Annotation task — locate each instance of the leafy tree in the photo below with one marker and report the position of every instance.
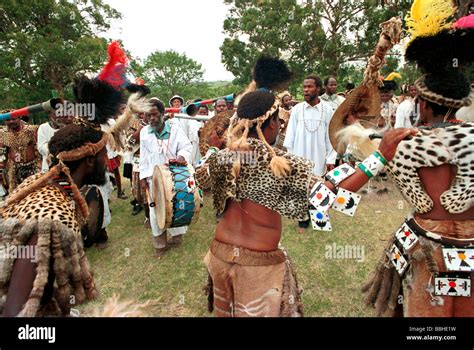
(43, 44)
(169, 73)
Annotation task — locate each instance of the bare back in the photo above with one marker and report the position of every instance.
(249, 225)
(436, 181)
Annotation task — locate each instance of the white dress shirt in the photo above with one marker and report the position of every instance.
(307, 134)
(154, 151)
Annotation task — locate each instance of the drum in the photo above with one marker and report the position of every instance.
(92, 230)
(176, 196)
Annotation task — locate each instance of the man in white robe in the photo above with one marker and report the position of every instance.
(161, 142)
(307, 134)
(407, 115)
(191, 129)
(46, 132)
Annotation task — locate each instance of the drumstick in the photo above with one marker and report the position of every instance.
(150, 202)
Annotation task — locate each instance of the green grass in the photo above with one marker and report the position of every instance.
(174, 283)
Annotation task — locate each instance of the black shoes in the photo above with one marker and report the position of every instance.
(137, 208)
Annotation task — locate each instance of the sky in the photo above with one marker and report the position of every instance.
(193, 27)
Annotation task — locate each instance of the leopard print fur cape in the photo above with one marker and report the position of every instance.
(256, 182)
(430, 148)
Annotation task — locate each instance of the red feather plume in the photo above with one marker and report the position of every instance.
(115, 69)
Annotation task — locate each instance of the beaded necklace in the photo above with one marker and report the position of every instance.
(319, 124)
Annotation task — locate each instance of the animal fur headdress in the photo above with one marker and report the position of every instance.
(270, 75)
(442, 47)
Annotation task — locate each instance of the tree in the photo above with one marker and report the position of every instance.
(276, 27)
(327, 37)
(43, 44)
(168, 73)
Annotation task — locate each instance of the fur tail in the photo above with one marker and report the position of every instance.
(115, 308)
(358, 137)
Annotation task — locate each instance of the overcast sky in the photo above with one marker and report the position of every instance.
(188, 26)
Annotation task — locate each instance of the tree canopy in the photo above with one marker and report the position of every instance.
(44, 43)
(326, 37)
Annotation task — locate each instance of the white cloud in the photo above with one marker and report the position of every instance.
(186, 26)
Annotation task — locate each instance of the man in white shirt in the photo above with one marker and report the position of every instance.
(159, 142)
(406, 113)
(307, 133)
(45, 133)
(330, 96)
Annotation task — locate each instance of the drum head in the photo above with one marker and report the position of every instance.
(163, 196)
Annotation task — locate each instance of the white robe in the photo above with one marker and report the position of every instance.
(191, 129)
(154, 151)
(45, 133)
(315, 145)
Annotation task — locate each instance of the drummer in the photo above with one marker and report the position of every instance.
(160, 142)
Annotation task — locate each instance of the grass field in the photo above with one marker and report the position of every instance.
(174, 284)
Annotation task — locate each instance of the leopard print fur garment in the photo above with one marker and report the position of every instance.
(18, 142)
(430, 148)
(256, 182)
(48, 202)
(54, 217)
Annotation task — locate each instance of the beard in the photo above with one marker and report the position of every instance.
(98, 177)
(159, 124)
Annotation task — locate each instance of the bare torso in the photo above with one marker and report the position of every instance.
(249, 225)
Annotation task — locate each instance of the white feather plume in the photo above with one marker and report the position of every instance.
(135, 104)
(358, 137)
(138, 104)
